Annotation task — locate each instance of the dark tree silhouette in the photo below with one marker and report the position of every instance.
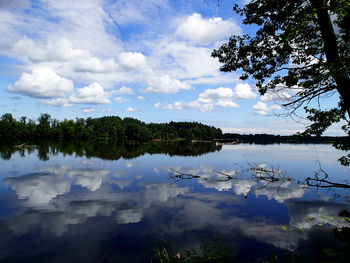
(301, 47)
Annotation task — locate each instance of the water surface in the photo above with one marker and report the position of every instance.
(110, 203)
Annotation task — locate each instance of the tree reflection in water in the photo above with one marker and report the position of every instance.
(109, 150)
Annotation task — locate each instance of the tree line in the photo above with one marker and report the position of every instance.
(271, 138)
(108, 127)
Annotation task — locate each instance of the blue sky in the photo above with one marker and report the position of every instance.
(144, 59)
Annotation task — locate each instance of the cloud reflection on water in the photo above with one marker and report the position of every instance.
(164, 206)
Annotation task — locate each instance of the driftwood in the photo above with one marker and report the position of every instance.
(320, 180)
(322, 183)
(269, 176)
(228, 177)
(177, 175)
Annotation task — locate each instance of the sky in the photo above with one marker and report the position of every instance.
(149, 60)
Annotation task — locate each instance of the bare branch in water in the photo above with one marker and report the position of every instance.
(177, 175)
(320, 180)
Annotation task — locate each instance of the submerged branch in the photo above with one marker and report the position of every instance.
(322, 183)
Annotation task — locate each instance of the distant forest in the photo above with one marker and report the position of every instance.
(270, 138)
(130, 130)
(109, 127)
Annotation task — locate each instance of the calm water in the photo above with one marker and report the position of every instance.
(107, 203)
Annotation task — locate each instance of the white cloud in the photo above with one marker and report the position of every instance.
(221, 97)
(55, 50)
(261, 108)
(42, 83)
(207, 107)
(62, 52)
(94, 65)
(214, 80)
(88, 110)
(84, 25)
(220, 93)
(276, 96)
(131, 109)
(132, 60)
(165, 84)
(244, 91)
(92, 94)
(179, 105)
(140, 97)
(121, 99)
(126, 12)
(124, 91)
(58, 102)
(184, 60)
(207, 100)
(226, 103)
(205, 31)
(280, 93)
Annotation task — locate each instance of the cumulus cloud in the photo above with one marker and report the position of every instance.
(131, 109)
(276, 96)
(205, 31)
(124, 91)
(92, 94)
(62, 52)
(42, 83)
(220, 93)
(121, 99)
(94, 65)
(261, 108)
(58, 102)
(132, 60)
(244, 91)
(207, 101)
(165, 84)
(187, 61)
(88, 110)
(55, 50)
(226, 103)
(179, 105)
(140, 97)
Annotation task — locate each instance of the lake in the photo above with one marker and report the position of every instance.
(101, 202)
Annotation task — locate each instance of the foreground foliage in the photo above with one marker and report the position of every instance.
(299, 54)
(212, 252)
